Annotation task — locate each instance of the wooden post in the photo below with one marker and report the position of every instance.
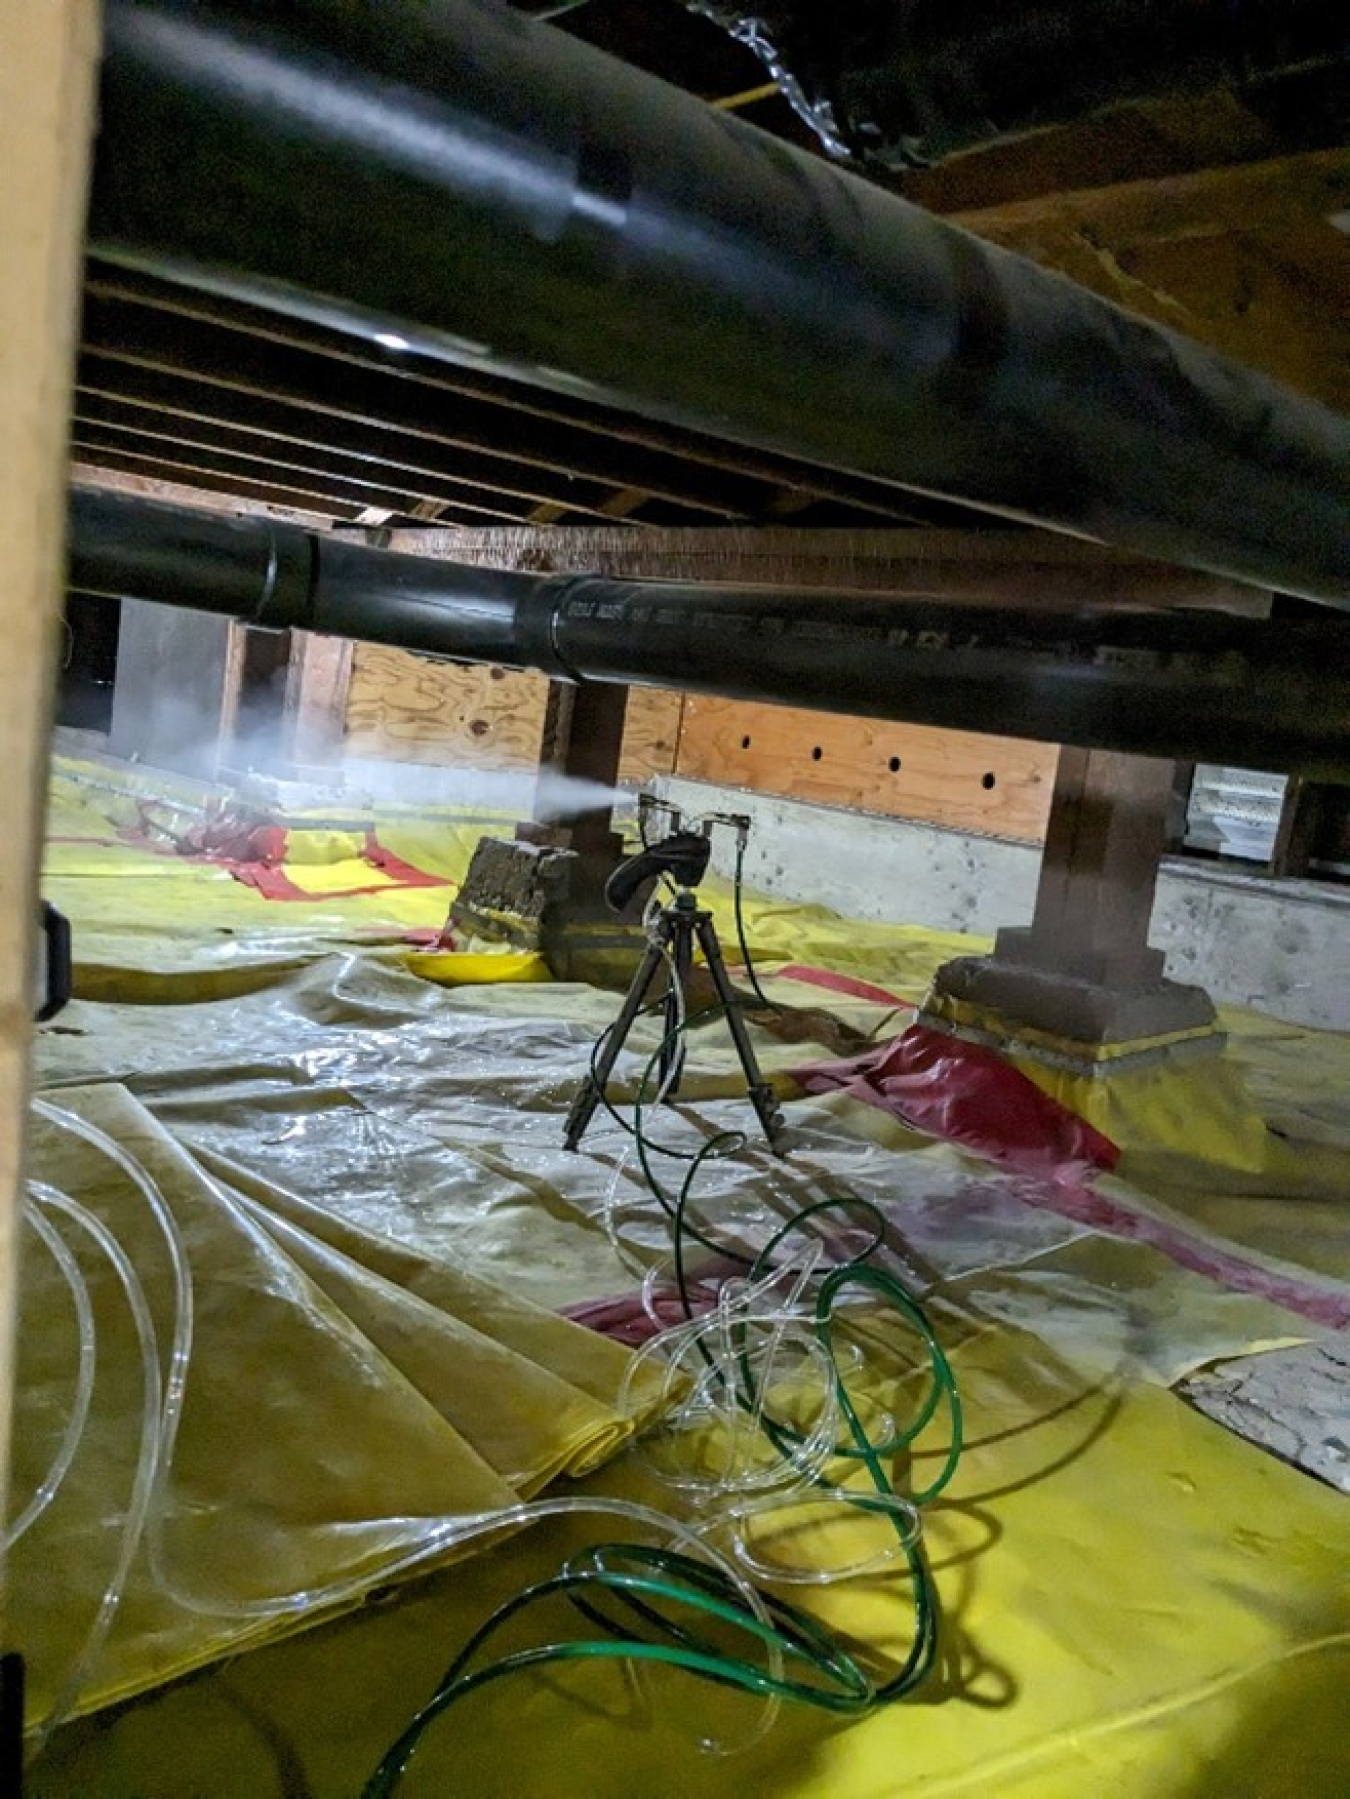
(46, 113)
(1083, 971)
(315, 701)
(1299, 828)
(1106, 836)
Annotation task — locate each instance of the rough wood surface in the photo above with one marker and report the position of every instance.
(315, 703)
(966, 781)
(46, 111)
(1105, 840)
(1248, 196)
(178, 493)
(1025, 568)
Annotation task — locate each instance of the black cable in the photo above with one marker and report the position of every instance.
(750, 974)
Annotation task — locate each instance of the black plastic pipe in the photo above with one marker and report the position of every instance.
(1202, 686)
(498, 193)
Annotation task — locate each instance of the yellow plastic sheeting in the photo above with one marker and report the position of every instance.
(900, 958)
(462, 968)
(1135, 1606)
(343, 1406)
(1198, 1151)
(155, 927)
(540, 1343)
(151, 925)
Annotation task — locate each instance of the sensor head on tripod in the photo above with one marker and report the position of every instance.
(683, 856)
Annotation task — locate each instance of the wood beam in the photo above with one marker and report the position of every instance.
(239, 499)
(1201, 203)
(1031, 568)
(100, 426)
(46, 120)
(175, 493)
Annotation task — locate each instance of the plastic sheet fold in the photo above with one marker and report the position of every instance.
(334, 1422)
(1136, 1605)
(364, 1157)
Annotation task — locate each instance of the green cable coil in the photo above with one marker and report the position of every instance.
(659, 1606)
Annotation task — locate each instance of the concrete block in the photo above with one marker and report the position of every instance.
(1084, 1014)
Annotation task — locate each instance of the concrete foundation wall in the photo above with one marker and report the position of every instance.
(1283, 946)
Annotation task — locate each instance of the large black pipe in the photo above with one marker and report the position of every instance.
(499, 193)
(1202, 686)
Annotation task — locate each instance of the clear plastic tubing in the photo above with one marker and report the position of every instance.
(50, 1484)
(147, 1463)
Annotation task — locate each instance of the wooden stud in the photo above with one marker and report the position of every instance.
(46, 118)
(318, 680)
(583, 741)
(1296, 835)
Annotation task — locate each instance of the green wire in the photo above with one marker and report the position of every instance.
(637, 1579)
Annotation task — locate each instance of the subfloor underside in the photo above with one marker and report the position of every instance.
(359, 1138)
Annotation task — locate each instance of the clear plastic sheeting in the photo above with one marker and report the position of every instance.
(336, 1413)
(365, 1169)
(433, 1117)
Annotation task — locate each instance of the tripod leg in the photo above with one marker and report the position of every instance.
(762, 1096)
(591, 1091)
(680, 939)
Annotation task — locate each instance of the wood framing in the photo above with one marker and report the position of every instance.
(177, 687)
(405, 707)
(1270, 195)
(966, 781)
(46, 112)
(412, 708)
(1105, 841)
(1023, 568)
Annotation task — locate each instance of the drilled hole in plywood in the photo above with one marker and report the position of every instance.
(988, 781)
(745, 743)
(894, 765)
(817, 753)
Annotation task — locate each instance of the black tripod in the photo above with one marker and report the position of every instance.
(672, 939)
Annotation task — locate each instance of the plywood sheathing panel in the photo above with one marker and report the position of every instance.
(410, 708)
